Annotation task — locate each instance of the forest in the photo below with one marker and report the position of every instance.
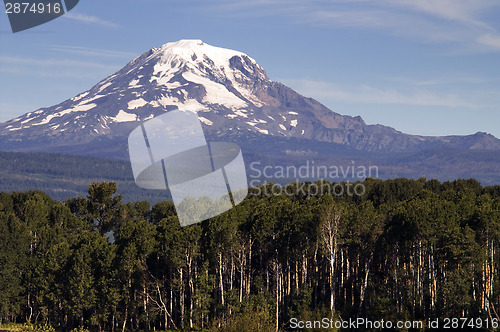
(63, 176)
(403, 250)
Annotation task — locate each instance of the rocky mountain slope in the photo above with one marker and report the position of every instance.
(232, 95)
(237, 102)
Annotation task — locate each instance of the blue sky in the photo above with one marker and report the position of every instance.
(429, 67)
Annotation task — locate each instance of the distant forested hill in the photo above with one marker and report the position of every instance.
(64, 176)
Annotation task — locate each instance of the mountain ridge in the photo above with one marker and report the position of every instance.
(234, 99)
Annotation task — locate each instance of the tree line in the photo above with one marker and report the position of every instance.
(405, 249)
(64, 176)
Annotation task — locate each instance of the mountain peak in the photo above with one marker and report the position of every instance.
(197, 55)
(231, 93)
(185, 42)
(196, 46)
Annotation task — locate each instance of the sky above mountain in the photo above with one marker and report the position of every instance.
(423, 67)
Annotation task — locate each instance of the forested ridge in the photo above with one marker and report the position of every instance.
(404, 250)
(64, 176)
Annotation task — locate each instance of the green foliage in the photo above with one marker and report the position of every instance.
(37, 328)
(405, 250)
(250, 319)
(80, 329)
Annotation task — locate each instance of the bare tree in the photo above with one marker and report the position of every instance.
(329, 240)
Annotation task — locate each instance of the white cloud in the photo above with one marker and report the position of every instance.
(368, 94)
(87, 51)
(462, 22)
(490, 40)
(53, 67)
(51, 62)
(90, 19)
(464, 11)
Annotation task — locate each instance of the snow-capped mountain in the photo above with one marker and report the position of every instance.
(232, 94)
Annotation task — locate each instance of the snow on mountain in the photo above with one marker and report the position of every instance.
(231, 93)
(187, 74)
(228, 87)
